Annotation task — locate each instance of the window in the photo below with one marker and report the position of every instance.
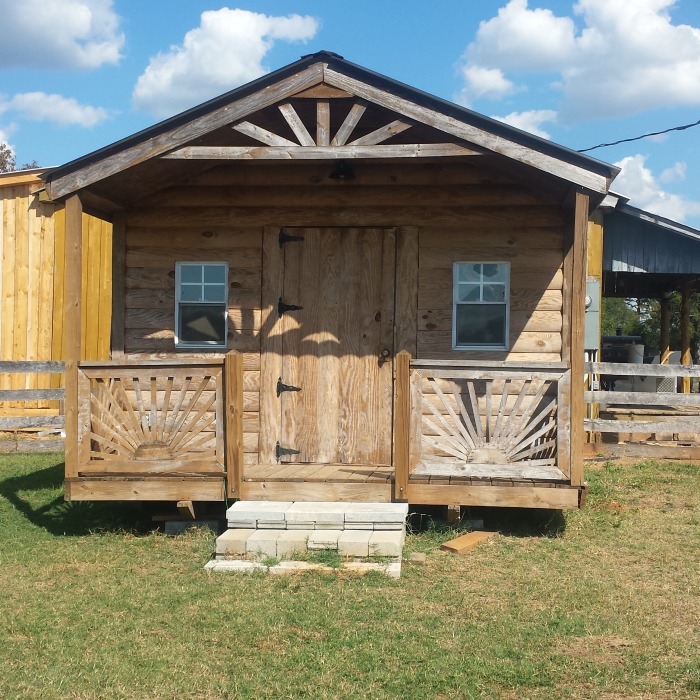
(201, 309)
(480, 305)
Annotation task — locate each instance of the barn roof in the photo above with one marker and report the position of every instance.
(445, 130)
(644, 254)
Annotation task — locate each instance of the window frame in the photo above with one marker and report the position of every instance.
(506, 303)
(200, 344)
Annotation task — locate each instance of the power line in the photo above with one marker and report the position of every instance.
(643, 136)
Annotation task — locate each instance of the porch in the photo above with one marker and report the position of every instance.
(468, 433)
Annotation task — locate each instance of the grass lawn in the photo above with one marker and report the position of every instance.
(603, 603)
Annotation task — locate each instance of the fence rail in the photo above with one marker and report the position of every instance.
(26, 395)
(682, 403)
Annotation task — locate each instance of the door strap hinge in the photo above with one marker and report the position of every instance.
(284, 451)
(283, 307)
(288, 237)
(285, 387)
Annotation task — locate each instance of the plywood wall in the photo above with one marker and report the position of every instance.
(32, 248)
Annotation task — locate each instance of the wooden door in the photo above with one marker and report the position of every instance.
(326, 368)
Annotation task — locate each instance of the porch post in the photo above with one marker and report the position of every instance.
(665, 339)
(72, 327)
(118, 284)
(402, 424)
(578, 313)
(233, 388)
(685, 334)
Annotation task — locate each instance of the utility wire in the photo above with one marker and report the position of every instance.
(638, 138)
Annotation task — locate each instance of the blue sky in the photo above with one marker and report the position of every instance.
(76, 75)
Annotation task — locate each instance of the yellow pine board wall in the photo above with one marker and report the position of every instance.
(32, 253)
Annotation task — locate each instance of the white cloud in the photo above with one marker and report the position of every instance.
(225, 51)
(483, 82)
(637, 182)
(59, 34)
(676, 173)
(531, 120)
(64, 111)
(627, 57)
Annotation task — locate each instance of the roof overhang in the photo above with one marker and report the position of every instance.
(464, 130)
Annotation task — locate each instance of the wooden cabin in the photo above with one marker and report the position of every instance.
(32, 283)
(328, 285)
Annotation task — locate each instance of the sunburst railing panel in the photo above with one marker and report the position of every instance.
(487, 421)
(165, 418)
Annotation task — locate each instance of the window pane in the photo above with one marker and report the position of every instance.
(494, 273)
(214, 292)
(191, 292)
(215, 273)
(202, 324)
(494, 292)
(469, 292)
(190, 273)
(470, 272)
(481, 325)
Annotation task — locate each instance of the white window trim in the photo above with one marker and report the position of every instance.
(200, 345)
(455, 303)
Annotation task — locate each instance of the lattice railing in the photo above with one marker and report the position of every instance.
(488, 420)
(155, 417)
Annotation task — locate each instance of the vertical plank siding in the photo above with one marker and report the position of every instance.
(32, 285)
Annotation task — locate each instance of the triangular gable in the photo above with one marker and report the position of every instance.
(325, 80)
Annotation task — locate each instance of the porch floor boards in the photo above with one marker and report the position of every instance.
(349, 473)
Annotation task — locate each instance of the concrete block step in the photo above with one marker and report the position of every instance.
(319, 515)
(276, 543)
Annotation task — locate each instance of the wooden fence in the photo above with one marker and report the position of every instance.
(18, 420)
(32, 283)
(649, 412)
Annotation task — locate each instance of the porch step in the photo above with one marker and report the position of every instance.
(318, 515)
(286, 530)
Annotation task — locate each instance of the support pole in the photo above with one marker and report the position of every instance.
(665, 338)
(402, 424)
(233, 383)
(72, 327)
(685, 335)
(578, 313)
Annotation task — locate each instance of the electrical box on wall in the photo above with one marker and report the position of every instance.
(591, 336)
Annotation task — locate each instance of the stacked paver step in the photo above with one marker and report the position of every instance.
(281, 529)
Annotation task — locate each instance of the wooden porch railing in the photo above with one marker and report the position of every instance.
(150, 418)
(481, 420)
(682, 403)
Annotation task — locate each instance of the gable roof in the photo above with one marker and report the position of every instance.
(179, 137)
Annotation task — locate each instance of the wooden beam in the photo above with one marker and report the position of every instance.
(578, 312)
(686, 358)
(233, 378)
(498, 144)
(323, 123)
(642, 398)
(634, 370)
(465, 543)
(118, 284)
(665, 338)
(186, 509)
(381, 134)
(321, 152)
(262, 135)
(348, 125)
(497, 496)
(296, 125)
(72, 327)
(402, 424)
(179, 135)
